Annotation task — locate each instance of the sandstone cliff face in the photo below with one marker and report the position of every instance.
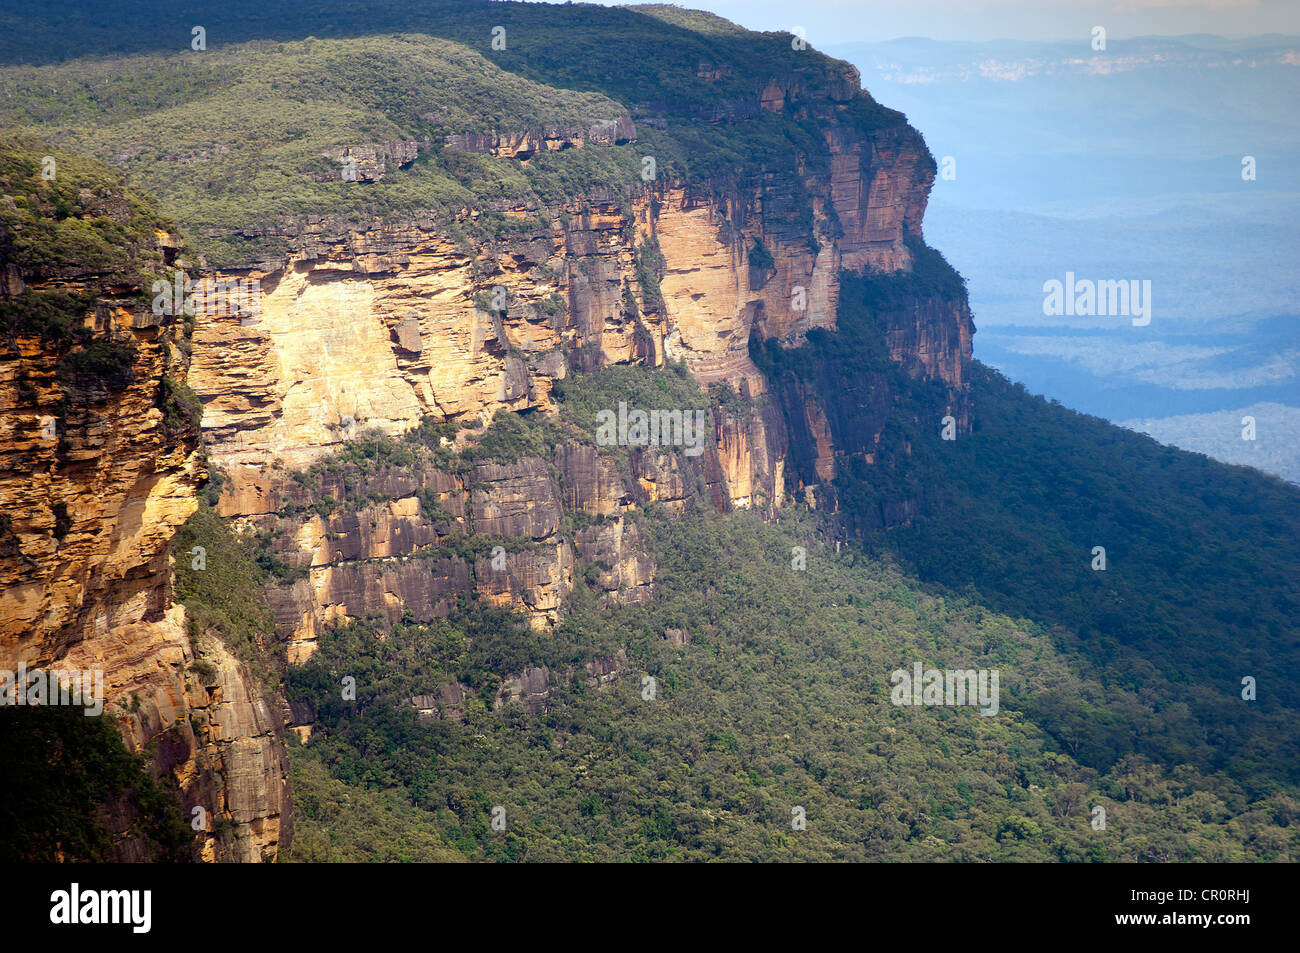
(402, 557)
(931, 338)
(379, 325)
(370, 162)
(879, 188)
(94, 504)
(93, 486)
(525, 143)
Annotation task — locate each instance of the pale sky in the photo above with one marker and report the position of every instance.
(829, 22)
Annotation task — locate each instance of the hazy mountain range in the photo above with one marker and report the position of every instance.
(1122, 164)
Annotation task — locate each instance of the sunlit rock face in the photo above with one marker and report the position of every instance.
(85, 566)
(381, 324)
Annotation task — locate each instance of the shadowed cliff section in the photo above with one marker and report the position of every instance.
(75, 794)
(856, 400)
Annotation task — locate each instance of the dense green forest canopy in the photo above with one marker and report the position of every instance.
(1201, 587)
(779, 702)
(781, 698)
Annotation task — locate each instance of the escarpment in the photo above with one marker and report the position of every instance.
(98, 470)
(443, 474)
(380, 325)
(349, 360)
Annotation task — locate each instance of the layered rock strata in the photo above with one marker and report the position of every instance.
(96, 476)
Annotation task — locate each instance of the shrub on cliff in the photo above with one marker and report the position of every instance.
(513, 436)
(66, 214)
(101, 367)
(650, 265)
(219, 581)
(581, 397)
(63, 773)
(759, 257)
(182, 409)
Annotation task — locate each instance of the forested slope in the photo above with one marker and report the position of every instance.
(772, 692)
